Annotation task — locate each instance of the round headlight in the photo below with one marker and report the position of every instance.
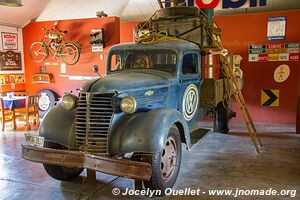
(128, 105)
(69, 101)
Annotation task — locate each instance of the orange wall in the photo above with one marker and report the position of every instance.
(127, 31)
(241, 30)
(238, 31)
(78, 31)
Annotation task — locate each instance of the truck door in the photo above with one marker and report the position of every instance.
(189, 87)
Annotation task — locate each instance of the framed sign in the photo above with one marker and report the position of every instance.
(10, 61)
(276, 28)
(282, 52)
(9, 41)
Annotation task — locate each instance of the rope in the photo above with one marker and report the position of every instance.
(151, 38)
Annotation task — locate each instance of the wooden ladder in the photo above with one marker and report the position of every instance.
(254, 135)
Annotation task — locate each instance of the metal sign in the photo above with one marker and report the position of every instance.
(10, 61)
(9, 41)
(281, 73)
(270, 97)
(190, 102)
(223, 4)
(276, 28)
(274, 52)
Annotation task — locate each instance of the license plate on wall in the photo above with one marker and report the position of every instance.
(34, 140)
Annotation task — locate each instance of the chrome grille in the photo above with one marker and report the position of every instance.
(93, 117)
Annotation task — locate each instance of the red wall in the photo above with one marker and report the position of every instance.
(239, 31)
(78, 31)
(127, 31)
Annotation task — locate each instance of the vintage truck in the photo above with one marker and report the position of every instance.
(133, 122)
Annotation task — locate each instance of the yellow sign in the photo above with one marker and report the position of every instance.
(273, 57)
(270, 97)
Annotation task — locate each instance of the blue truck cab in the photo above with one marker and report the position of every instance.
(133, 121)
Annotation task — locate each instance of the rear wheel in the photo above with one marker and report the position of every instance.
(38, 51)
(70, 53)
(166, 163)
(222, 119)
(58, 172)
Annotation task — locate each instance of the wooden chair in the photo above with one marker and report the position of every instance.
(6, 115)
(31, 111)
(20, 94)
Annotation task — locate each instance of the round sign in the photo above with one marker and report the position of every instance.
(44, 102)
(190, 102)
(281, 73)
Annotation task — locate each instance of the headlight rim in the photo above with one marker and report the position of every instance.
(134, 107)
(74, 101)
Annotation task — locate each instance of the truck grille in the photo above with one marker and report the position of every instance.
(93, 117)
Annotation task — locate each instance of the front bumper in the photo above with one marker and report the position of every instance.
(76, 159)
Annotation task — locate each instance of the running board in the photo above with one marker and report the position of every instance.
(197, 136)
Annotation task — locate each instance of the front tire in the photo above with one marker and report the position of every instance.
(58, 172)
(38, 51)
(166, 163)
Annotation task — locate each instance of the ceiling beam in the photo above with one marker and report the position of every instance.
(10, 25)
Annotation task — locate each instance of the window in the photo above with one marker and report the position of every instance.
(116, 62)
(164, 60)
(190, 64)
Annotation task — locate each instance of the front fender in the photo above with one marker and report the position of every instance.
(145, 132)
(59, 126)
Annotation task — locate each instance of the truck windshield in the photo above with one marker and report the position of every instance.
(164, 60)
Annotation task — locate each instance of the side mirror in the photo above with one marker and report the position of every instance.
(95, 69)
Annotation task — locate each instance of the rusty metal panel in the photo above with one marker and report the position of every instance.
(189, 28)
(66, 158)
(207, 93)
(218, 91)
(212, 92)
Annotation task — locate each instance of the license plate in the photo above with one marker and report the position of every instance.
(34, 140)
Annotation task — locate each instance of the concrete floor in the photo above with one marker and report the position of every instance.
(218, 162)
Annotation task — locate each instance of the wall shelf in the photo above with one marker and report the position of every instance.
(45, 78)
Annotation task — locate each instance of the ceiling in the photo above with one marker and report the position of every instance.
(20, 16)
(76, 9)
(127, 10)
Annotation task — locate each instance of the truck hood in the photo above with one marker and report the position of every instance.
(126, 82)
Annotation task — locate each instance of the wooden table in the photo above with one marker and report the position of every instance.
(13, 103)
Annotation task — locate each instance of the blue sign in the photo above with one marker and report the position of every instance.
(240, 3)
(225, 3)
(276, 28)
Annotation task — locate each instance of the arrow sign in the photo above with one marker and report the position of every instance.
(269, 97)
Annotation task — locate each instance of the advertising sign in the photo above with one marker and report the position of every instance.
(10, 61)
(9, 41)
(274, 52)
(223, 4)
(276, 28)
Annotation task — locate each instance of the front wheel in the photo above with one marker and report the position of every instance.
(38, 51)
(166, 163)
(70, 53)
(58, 172)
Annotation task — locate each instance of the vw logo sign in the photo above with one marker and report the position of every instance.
(190, 102)
(44, 102)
